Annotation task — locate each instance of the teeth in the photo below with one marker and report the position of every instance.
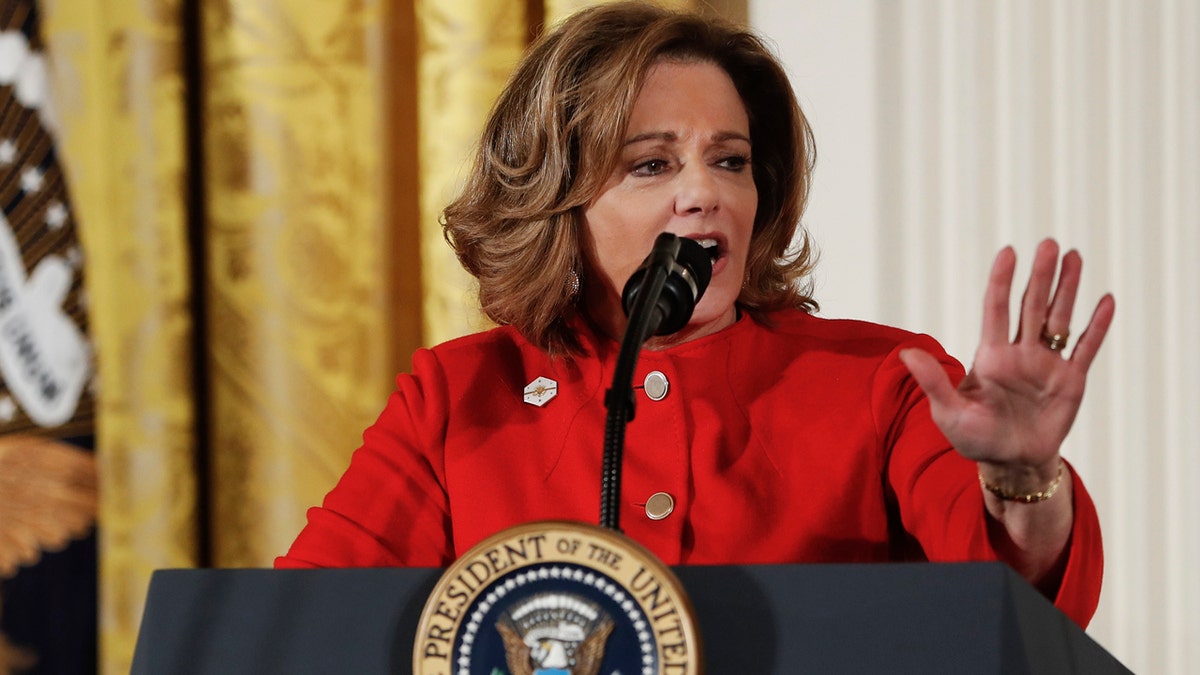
(710, 247)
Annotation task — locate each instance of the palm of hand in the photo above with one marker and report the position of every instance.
(1016, 405)
(1020, 398)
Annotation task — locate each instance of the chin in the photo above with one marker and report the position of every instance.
(715, 307)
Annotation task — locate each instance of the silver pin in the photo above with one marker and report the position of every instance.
(540, 391)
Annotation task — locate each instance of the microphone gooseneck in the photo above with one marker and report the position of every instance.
(659, 299)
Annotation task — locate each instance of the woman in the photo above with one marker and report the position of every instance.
(763, 434)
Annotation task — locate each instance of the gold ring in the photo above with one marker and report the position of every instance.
(1055, 341)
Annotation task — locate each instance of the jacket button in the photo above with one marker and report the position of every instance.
(659, 506)
(656, 385)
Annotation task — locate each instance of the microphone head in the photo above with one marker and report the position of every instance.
(688, 277)
(696, 259)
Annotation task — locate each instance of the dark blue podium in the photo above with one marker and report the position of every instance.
(886, 618)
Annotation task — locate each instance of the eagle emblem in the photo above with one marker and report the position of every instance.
(554, 634)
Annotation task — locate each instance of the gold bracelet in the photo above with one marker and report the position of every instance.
(1024, 498)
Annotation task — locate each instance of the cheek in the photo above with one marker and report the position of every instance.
(741, 235)
(612, 246)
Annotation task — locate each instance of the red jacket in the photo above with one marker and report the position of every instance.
(806, 441)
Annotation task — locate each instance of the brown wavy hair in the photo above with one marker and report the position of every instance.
(553, 139)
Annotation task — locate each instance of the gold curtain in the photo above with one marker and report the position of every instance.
(466, 51)
(306, 311)
(331, 134)
(557, 10)
(118, 90)
(297, 247)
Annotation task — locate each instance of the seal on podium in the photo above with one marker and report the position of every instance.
(557, 598)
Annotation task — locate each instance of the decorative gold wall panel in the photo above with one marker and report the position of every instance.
(298, 315)
(119, 93)
(557, 10)
(466, 51)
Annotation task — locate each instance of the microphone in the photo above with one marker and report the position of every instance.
(658, 299)
(688, 269)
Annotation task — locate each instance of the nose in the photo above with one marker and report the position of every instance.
(697, 192)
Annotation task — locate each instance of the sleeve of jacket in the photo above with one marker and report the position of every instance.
(390, 507)
(937, 492)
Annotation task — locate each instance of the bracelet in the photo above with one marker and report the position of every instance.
(1027, 497)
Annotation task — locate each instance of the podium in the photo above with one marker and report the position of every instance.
(856, 618)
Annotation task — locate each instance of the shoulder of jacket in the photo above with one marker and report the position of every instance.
(795, 322)
(851, 335)
(500, 338)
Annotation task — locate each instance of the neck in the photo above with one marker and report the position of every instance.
(614, 329)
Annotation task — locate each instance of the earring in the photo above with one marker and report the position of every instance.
(572, 283)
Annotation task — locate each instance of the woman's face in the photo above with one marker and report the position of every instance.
(685, 169)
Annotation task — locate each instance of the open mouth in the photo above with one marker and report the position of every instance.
(711, 247)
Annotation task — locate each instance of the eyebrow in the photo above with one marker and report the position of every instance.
(671, 136)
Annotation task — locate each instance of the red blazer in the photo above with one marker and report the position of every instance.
(805, 441)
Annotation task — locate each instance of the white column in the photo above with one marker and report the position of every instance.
(946, 130)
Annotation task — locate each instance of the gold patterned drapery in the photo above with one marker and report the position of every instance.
(296, 245)
(456, 87)
(258, 184)
(118, 90)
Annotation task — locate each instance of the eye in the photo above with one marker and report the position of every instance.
(650, 167)
(734, 162)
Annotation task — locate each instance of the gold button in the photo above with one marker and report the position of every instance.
(656, 385)
(659, 506)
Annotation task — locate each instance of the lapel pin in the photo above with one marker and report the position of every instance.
(540, 391)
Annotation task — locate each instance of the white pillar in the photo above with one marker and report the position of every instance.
(947, 129)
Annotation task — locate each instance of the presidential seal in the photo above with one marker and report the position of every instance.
(557, 598)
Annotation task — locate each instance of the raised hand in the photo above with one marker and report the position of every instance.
(1017, 403)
